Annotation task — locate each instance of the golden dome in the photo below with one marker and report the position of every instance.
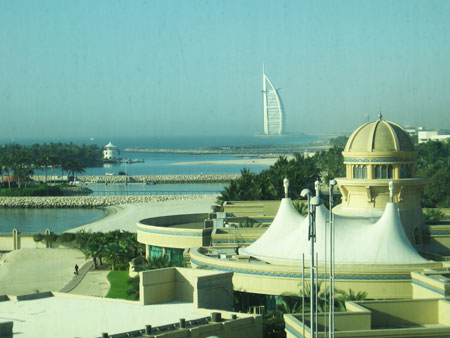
(379, 136)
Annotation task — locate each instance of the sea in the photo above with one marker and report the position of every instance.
(59, 220)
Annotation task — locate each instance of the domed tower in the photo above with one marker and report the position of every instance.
(375, 154)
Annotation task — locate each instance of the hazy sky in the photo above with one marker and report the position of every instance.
(104, 68)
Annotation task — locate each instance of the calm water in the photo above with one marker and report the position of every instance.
(37, 220)
(58, 220)
(166, 164)
(178, 142)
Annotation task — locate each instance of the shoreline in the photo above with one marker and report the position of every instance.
(249, 161)
(125, 217)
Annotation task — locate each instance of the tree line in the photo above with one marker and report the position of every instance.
(20, 161)
(301, 171)
(117, 247)
(433, 163)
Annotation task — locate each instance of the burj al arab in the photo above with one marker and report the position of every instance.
(273, 108)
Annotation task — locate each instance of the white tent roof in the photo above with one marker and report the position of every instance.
(358, 240)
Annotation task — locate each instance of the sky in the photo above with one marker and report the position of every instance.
(109, 68)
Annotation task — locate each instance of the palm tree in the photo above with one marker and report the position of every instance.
(113, 253)
(301, 207)
(81, 240)
(351, 295)
(93, 249)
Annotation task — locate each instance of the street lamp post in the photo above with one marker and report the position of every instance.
(313, 203)
(331, 318)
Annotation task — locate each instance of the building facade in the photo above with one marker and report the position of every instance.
(111, 152)
(273, 109)
(377, 153)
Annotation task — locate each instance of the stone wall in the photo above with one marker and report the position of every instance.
(87, 201)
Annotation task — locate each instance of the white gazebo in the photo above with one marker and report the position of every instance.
(111, 152)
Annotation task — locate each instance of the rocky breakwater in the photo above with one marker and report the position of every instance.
(87, 201)
(160, 179)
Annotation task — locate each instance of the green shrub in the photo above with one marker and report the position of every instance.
(133, 291)
(38, 237)
(67, 237)
(39, 190)
(433, 215)
(50, 238)
(246, 223)
(301, 207)
(140, 260)
(122, 266)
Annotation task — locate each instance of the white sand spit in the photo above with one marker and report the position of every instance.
(248, 161)
(125, 217)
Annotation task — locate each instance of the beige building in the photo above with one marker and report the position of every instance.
(377, 153)
(380, 235)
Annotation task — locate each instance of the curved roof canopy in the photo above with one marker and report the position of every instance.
(358, 240)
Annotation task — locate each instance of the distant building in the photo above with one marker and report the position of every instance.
(431, 135)
(111, 152)
(412, 131)
(272, 108)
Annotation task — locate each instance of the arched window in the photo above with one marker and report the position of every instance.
(383, 171)
(360, 171)
(390, 170)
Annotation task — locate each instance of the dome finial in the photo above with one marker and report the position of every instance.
(286, 186)
(380, 116)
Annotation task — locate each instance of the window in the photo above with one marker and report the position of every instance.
(383, 171)
(155, 252)
(359, 171)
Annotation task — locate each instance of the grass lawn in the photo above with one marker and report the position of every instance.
(119, 286)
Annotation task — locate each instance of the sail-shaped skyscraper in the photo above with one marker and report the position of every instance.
(273, 108)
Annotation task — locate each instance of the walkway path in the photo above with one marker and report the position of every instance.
(95, 284)
(78, 278)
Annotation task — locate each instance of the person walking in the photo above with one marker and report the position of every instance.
(76, 269)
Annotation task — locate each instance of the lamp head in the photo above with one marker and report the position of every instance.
(305, 192)
(332, 183)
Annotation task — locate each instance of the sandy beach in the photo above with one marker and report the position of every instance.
(246, 161)
(28, 271)
(267, 161)
(125, 217)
